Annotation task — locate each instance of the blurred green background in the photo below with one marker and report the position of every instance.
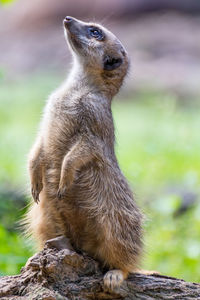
(157, 145)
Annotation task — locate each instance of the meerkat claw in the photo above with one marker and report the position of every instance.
(35, 195)
(35, 191)
(61, 192)
(59, 195)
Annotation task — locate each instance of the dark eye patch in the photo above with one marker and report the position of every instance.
(111, 63)
(96, 33)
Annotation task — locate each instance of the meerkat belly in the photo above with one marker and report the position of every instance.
(94, 195)
(96, 186)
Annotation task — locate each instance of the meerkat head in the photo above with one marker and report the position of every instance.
(97, 50)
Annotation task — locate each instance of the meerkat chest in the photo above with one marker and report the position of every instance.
(98, 118)
(63, 119)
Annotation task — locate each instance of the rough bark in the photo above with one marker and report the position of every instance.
(61, 274)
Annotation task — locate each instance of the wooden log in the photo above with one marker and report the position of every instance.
(62, 274)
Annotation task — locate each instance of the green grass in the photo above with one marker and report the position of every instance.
(14, 251)
(159, 151)
(158, 148)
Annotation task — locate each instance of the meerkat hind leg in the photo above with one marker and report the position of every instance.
(113, 279)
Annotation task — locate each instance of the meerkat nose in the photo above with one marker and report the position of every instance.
(68, 19)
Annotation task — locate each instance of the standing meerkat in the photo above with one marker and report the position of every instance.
(78, 187)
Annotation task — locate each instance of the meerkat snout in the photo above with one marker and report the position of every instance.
(68, 19)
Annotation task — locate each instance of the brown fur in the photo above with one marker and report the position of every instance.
(78, 187)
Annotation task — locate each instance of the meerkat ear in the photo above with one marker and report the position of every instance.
(111, 63)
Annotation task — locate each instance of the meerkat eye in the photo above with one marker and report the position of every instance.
(96, 33)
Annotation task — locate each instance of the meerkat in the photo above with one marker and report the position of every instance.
(78, 188)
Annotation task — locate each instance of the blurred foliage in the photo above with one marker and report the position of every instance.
(158, 150)
(11, 209)
(4, 2)
(14, 251)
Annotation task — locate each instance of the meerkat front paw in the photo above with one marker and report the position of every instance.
(61, 192)
(65, 184)
(113, 279)
(36, 188)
